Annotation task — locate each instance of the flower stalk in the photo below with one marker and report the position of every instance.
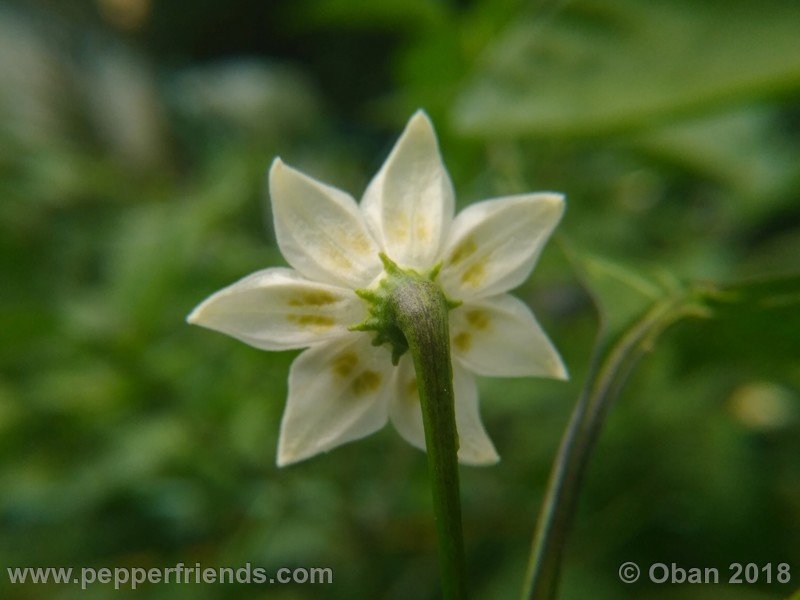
(420, 309)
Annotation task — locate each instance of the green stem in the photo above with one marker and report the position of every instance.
(610, 368)
(421, 313)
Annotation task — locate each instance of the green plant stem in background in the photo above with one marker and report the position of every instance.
(610, 367)
(421, 312)
(776, 298)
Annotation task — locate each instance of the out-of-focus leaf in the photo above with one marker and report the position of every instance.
(742, 150)
(765, 293)
(125, 107)
(757, 320)
(598, 67)
(253, 98)
(33, 91)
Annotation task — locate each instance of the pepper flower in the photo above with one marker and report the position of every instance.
(342, 387)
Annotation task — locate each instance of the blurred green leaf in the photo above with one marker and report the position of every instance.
(597, 67)
(744, 150)
(757, 321)
(764, 293)
(621, 293)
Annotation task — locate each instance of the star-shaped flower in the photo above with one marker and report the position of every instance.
(343, 388)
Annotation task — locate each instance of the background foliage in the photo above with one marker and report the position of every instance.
(134, 140)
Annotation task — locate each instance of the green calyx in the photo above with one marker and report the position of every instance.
(383, 302)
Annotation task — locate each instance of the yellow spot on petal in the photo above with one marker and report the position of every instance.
(474, 275)
(411, 390)
(422, 231)
(398, 228)
(366, 382)
(340, 260)
(463, 341)
(345, 364)
(312, 298)
(360, 244)
(479, 319)
(463, 250)
(320, 322)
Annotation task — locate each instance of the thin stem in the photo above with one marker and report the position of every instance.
(421, 311)
(608, 373)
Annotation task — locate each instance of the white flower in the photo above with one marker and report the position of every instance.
(342, 388)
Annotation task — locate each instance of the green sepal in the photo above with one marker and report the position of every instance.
(381, 318)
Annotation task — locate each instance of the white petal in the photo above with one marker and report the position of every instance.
(404, 408)
(320, 230)
(493, 245)
(278, 309)
(337, 394)
(409, 204)
(500, 337)
(475, 447)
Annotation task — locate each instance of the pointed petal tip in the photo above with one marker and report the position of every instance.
(283, 461)
(554, 370)
(555, 201)
(562, 374)
(193, 318)
(421, 123)
(419, 116)
(283, 178)
(286, 456)
(276, 167)
(558, 370)
(488, 459)
(284, 175)
(199, 316)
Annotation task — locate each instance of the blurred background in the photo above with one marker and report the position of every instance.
(134, 141)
